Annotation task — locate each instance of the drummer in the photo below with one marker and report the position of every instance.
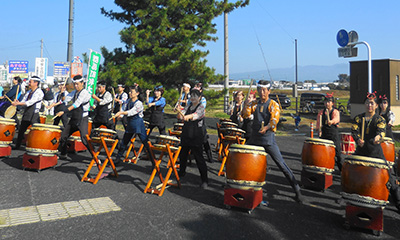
(134, 113)
(60, 104)
(120, 101)
(387, 114)
(33, 101)
(102, 107)
(156, 104)
(185, 95)
(368, 139)
(192, 136)
(236, 108)
(328, 128)
(11, 94)
(79, 114)
(266, 117)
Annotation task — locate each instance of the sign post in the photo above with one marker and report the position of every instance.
(93, 70)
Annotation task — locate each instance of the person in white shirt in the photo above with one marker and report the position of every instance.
(33, 102)
(60, 104)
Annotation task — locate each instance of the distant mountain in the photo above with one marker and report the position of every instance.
(311, 72)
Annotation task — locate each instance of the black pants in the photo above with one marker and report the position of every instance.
(110, 124)
(161, 128)
(197, 152)
(63, 118)
(23, 127)
(69, 129)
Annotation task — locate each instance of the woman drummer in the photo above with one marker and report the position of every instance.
(368, 130)
(236, 109)
(135, 123)
(387, 114)
(193, 135)
(156, 105)
(328, 128)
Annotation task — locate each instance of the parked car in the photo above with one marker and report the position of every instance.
(283, 99)
(315, 99)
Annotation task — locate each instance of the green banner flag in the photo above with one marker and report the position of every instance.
(93, 70)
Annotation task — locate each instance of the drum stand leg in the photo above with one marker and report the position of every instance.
(366, 218)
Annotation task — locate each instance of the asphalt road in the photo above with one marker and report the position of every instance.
(186, 213)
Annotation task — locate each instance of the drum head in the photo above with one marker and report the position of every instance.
(369, 161)
(7, 121)
(41, 125)
(388, 139)
(10, 112)
(105, 130)
(172, 138)
(319, 141)
(247, 148)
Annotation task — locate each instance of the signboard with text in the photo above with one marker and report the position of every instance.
(41, 66)
(61, 69)
(93, 70)
(17, 66)
(76, 67)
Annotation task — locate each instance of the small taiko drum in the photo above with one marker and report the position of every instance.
(364, 181)
(108, 135)
(318, 155)
(43, 138)
(178, 127)
(42, 118)
(7, 130)
(163, 140)
(228, 124)
(347, 144)
(231, 131)
(388, 150)
(246, 167)
(77, 134)
(224, 120)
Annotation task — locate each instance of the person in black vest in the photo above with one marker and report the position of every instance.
(192, 136)
(236, 108)
(156, 105)
(59, 104)
(266, 117)
(370, 145)
(134, 113)
(79, 115)
(120, 101)
(47, 98)
(32, 101)
(328, 128)
(11, 94)
(387, 114)
(102, 107)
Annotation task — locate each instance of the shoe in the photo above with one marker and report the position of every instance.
(16, 148)
(181, 174)
(63, 156)
(299, 198)
(204, 185)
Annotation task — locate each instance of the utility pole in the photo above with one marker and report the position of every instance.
(70, 31)
(226, 63)
(41, 48)
(295, 86)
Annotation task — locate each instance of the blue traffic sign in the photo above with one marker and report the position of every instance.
(342, 38)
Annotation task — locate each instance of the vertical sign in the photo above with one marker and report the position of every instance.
(41, 66)
(93, 70)
(76, 67)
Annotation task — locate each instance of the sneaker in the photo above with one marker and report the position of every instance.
(63, 156)
(299, 198)
(181, 174)
(204, 185)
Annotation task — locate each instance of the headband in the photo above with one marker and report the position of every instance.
(78, 80)
(264, 85)
(186, 85)
(383, 98)
(35, 78)
(371, 96)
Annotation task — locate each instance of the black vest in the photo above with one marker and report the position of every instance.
(102, 112)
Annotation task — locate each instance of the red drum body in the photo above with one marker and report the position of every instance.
(388, 150)
(42, 118)
(7, 130)
(364, 181)
(246, 167)
(347, 143)
(318, 155)
(43, 138)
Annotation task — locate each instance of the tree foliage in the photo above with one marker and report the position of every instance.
(164, 41)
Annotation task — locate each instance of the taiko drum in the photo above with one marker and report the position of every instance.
(318, 155)
(388, 149)
(42, 118)
(246, 166)
(43, 138)
(348, 145)
(364, 181)
(7, 130)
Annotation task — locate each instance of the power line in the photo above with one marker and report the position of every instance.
(262, 52)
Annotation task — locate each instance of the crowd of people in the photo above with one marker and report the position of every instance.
(257, 116)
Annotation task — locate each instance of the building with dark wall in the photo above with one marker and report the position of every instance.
(385, 80)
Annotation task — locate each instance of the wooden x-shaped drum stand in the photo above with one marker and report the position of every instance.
(104, 143)
(173, 153)
(136, 154)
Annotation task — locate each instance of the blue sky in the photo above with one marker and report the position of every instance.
(275, 23)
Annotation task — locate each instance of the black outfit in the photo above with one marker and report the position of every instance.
(60, 108)
(247, 126)
(76, 123)
(12, 95)
(29, 118)
(331, 133)
(389, 132)
(192, 139)
(103, 115)
(375, 126)
(236, 112)
(117, 108)
(157, 119)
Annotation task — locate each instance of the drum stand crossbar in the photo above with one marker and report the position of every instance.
(316, 181)
(366, 218)
(224, 149)
(101, 166)
(136, 154)
(172, 159)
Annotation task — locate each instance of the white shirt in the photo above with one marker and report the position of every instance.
(106, 100)
(36, 98)
(137, 109)
(83, 98)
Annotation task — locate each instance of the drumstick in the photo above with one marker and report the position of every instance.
(320, 124)
(8, 98)
(362, 129)
(262, 125)
(16, 94)
(327, 115)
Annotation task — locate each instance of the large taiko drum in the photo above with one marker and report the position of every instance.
(224, 120)
(246, 167)
(109, 135)
(42, 118)
(364, 181)
(347, 144)
(77, 134)
(163, 140)
(43, 138)
(388, 150)
(7, 130)
(318, 155)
